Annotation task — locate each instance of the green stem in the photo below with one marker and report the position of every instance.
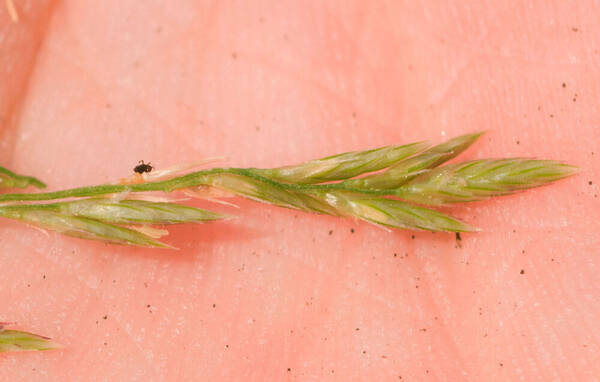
(194, 179)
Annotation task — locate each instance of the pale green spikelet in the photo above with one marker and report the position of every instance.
(407, 169)
(246, 184)
(482, 179)
(342, 166)
(130, 211)
(76, 226)
(393, 213)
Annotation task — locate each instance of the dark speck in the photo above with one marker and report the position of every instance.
(289, 369)
(590, 183)
(351, 230)
(522, 271)
(458, 240)
(214, 305)
(105, 317)
(330, 232)
(412, 237)
(234, 55)
(395, 255)
(575, 29)
(518, 142)
(564, 85)
(551, 115)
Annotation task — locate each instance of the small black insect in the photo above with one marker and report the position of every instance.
(142, 167)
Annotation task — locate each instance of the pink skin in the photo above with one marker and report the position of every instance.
(87, 89)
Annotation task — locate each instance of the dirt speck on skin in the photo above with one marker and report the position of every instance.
(351, 230)
(412, 237)
(330, 232)
(458, 240)
(564, 85)
(575, 29)
(518, 142)
(590, 183)
(522, 271)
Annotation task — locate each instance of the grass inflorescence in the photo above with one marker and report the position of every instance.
(389, 186)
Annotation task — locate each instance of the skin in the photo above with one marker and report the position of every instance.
(87, 89)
